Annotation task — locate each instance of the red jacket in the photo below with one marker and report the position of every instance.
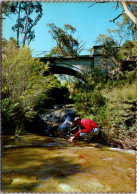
(85, 126)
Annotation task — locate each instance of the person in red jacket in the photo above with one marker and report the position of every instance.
(87, 128)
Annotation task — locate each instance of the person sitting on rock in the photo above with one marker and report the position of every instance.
(87, 128)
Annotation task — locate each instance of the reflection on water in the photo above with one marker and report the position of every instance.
(42, 164)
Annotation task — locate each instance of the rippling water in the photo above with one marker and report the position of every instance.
(36, 163)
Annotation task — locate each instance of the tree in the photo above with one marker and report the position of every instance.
(25, 19)
(128, 50)
(109, 51)
(8, 8)
(66, 44)
(113, 55)
(128, 24)
(120, 33)
(130, 12)
(125, 30)
(22, 84)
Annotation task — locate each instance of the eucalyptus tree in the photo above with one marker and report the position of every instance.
(128, 50)
(28, 14)
(129, 10)
(129, 21)
(114, 54)
(8, 8)
(67, 45)
(109, 50)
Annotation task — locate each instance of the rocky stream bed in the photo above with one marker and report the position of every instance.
(36, 163)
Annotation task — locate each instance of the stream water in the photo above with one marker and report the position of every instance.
(34, 163)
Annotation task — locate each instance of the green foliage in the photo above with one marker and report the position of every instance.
(113, 54)
(66, 44)
(9, 8)
(109, 52)
(131, 76)
(97, 101)
(128, 23)
(120, 79)
(12, 117)
(127, 50)
(121, 114)
(25, 91)
(25, 22)
(7, 114)
(88, 98)
(111, 104)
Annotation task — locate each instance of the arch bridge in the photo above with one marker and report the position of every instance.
(74, 66)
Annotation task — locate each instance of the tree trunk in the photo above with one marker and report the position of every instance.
(18, 25)
(25, 26)
(69, 81)
(129, 14)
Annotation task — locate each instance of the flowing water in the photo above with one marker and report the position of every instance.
(35, 163)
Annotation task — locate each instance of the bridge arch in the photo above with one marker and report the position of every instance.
(61, 65)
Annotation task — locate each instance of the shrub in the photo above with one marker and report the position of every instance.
(131, 76)
(24, 88)
(97, 101)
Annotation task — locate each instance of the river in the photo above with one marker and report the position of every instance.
(34, 163)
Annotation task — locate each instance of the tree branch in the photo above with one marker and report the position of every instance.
(130, 15)
(117, 17)
(126, 11)
(19, 10)
(98, 2)
(92, 5)
(25, 26)
(34, 23)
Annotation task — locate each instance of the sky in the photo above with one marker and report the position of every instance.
(88, 21)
